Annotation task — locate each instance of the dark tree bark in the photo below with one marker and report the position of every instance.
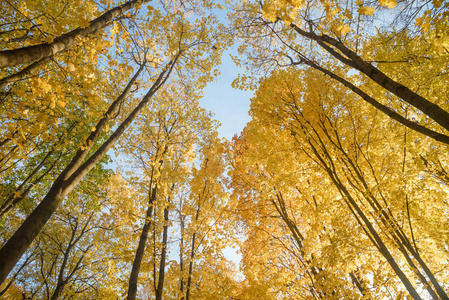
(160, 283)
(132, 285)
(189, 276)
(181, 255)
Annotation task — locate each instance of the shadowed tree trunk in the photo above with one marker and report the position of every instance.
(160, 283)
(192, 255)
(132, 285)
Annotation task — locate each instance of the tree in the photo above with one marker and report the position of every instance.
(203, 225)
(183, 44)
(75, 246)
(321, 130)
(14, 57)
(162, 146)
(329, 37)
(282, 223)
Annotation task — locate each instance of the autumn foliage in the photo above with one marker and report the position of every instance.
(115, 184)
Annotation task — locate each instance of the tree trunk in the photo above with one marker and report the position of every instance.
(160, 283)
(181, 256)
(192, 255)
(189, 278)
(132, 285)
(24, 72)
(57, 292)
(11, 58)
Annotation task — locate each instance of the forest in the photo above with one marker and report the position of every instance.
(114, 181)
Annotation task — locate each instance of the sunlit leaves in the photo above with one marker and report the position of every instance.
(306, 143)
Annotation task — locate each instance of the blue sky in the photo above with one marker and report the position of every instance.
(229, 105)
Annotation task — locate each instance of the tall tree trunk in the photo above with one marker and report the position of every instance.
(10, 58)
(24, 72)
(132, 285)
(181, 256)
(13, 250)
(19, 75)
(192, 255)
(160, 283)
(189, 278)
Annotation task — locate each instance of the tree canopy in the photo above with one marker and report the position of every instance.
(115, 183)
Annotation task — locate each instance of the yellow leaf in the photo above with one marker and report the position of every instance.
(437, 3)
(366, 10)
(52, 103)
(388, 3)
(61, 103)
(70, 67)
(83, 22)
(341, 29)
(20, 93)
(58, 28)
